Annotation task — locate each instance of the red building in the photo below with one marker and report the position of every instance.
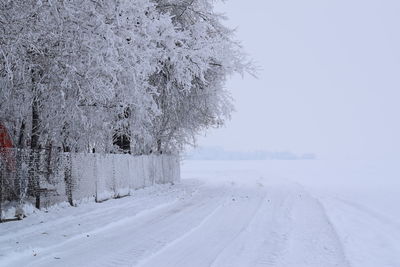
(6, 144)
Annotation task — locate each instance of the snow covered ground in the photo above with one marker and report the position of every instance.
(227, 213)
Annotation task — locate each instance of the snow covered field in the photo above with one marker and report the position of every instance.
(227, 213)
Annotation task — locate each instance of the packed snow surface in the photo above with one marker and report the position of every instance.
(226, 213)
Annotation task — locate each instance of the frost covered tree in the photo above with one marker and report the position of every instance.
(190, 89)
(140, 74)
(74, 65)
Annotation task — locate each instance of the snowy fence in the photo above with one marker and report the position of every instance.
(114, 175)
(47, 177)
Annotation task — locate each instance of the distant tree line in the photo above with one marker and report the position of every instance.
(137, 76)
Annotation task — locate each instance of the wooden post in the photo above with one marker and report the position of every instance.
(68, 176)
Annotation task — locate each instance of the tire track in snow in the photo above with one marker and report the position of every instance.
(280, 225)
(179, 239)
(202, 246)
(264, 238)
(369, 239)
(312, 240)
(107, 211)
(43, 230)
(242, 232)
(82, 236)
(280, 234)
(128, 241)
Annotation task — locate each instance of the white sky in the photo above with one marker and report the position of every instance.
(329, 83)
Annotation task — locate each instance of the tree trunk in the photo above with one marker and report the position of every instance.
(34, 177)
(35, 125)
(159, 146)
(20, 180)
(21, 137)
(68, 173)
(49, 155)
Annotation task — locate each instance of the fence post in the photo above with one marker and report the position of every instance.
(34, 177)
(96, 178)
(37, 179)
(19, 184)
(68, 177)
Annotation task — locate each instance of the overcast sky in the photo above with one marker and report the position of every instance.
(329, 83)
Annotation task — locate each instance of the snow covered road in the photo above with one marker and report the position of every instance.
(204, 221)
